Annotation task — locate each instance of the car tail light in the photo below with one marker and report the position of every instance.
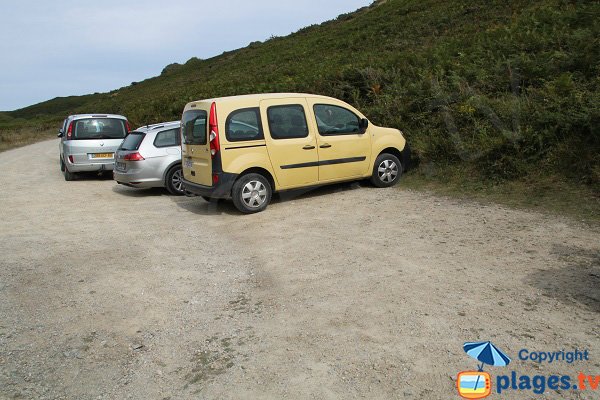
(127, 127)
(133, 157)
(70, 130)
(215, 178)
(213, 128)
(71, 160)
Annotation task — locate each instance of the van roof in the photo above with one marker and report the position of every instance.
(259, 97)
(99, 115)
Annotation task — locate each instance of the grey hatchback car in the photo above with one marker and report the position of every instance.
(151, 157)
(88, 142)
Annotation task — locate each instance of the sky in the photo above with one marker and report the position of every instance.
(61, 48)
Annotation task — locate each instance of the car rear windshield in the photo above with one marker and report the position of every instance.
(193, 127)
(99, 128)
(132, 141)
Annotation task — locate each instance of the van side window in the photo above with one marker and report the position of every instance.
(334, 120)
(167, 138)
(193, 127)
(287, 122)
(243, 125)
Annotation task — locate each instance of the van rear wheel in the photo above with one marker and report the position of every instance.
(251, 193)
(69, 176)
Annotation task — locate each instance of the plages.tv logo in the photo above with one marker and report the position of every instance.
(478, 384)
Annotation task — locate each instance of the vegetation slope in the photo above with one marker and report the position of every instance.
(491, 92)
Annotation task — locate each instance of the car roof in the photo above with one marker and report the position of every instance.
(82, 116)
(158, 127)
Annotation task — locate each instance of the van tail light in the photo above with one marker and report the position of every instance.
(70, 130)
(133, 157)
(213, 128)
(127, 127)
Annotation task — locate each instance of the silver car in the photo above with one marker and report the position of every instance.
(88, 142)
(151, 157)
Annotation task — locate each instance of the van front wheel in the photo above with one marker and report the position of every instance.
(251, 193)
(386, 171)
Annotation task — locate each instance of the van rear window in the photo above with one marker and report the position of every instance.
(99, 128)
(193, 127)
(243, 125)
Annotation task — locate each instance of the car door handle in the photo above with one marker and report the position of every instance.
(325, 146)
(308, 147)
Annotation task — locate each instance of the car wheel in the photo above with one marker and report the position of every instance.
(387, 170)
(251, 193)
(174, 181)
(69, 176)
(62, 165)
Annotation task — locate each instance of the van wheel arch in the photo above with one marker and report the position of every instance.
(260, 171)
(393, 151)
(403, 155)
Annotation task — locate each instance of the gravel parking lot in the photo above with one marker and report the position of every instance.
(343, 292)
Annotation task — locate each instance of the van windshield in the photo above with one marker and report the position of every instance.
(99, 128)
(193, 127)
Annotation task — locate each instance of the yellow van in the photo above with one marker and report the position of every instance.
(247, 147)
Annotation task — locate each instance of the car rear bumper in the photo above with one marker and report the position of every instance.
(221, 190)
(133, 180)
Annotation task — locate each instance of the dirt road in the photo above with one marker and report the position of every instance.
(345, 292)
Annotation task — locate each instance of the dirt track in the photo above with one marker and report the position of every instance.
(345, 292)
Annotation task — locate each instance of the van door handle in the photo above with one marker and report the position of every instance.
(325, 146)
(308, 147)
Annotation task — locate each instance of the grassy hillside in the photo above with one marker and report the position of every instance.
(491, 92)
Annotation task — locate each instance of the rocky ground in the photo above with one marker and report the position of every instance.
(344, 292)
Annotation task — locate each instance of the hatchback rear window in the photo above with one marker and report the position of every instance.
(132, 141)
(99, 128)
(193, 127)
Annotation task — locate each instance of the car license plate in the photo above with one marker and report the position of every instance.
(120, 166)
(102, 155)
(188, 163)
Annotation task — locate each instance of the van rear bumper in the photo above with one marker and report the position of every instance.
(222, 190)
(80, 167)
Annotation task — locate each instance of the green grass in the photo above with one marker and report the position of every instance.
(543, 193)
(500, 92)
(10, 139)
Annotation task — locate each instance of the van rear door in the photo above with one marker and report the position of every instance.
(196, 158)
(291, 142)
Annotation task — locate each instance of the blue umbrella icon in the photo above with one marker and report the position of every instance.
(486, 353)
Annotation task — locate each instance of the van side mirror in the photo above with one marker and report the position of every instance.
(363, 125)
(60, 133)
